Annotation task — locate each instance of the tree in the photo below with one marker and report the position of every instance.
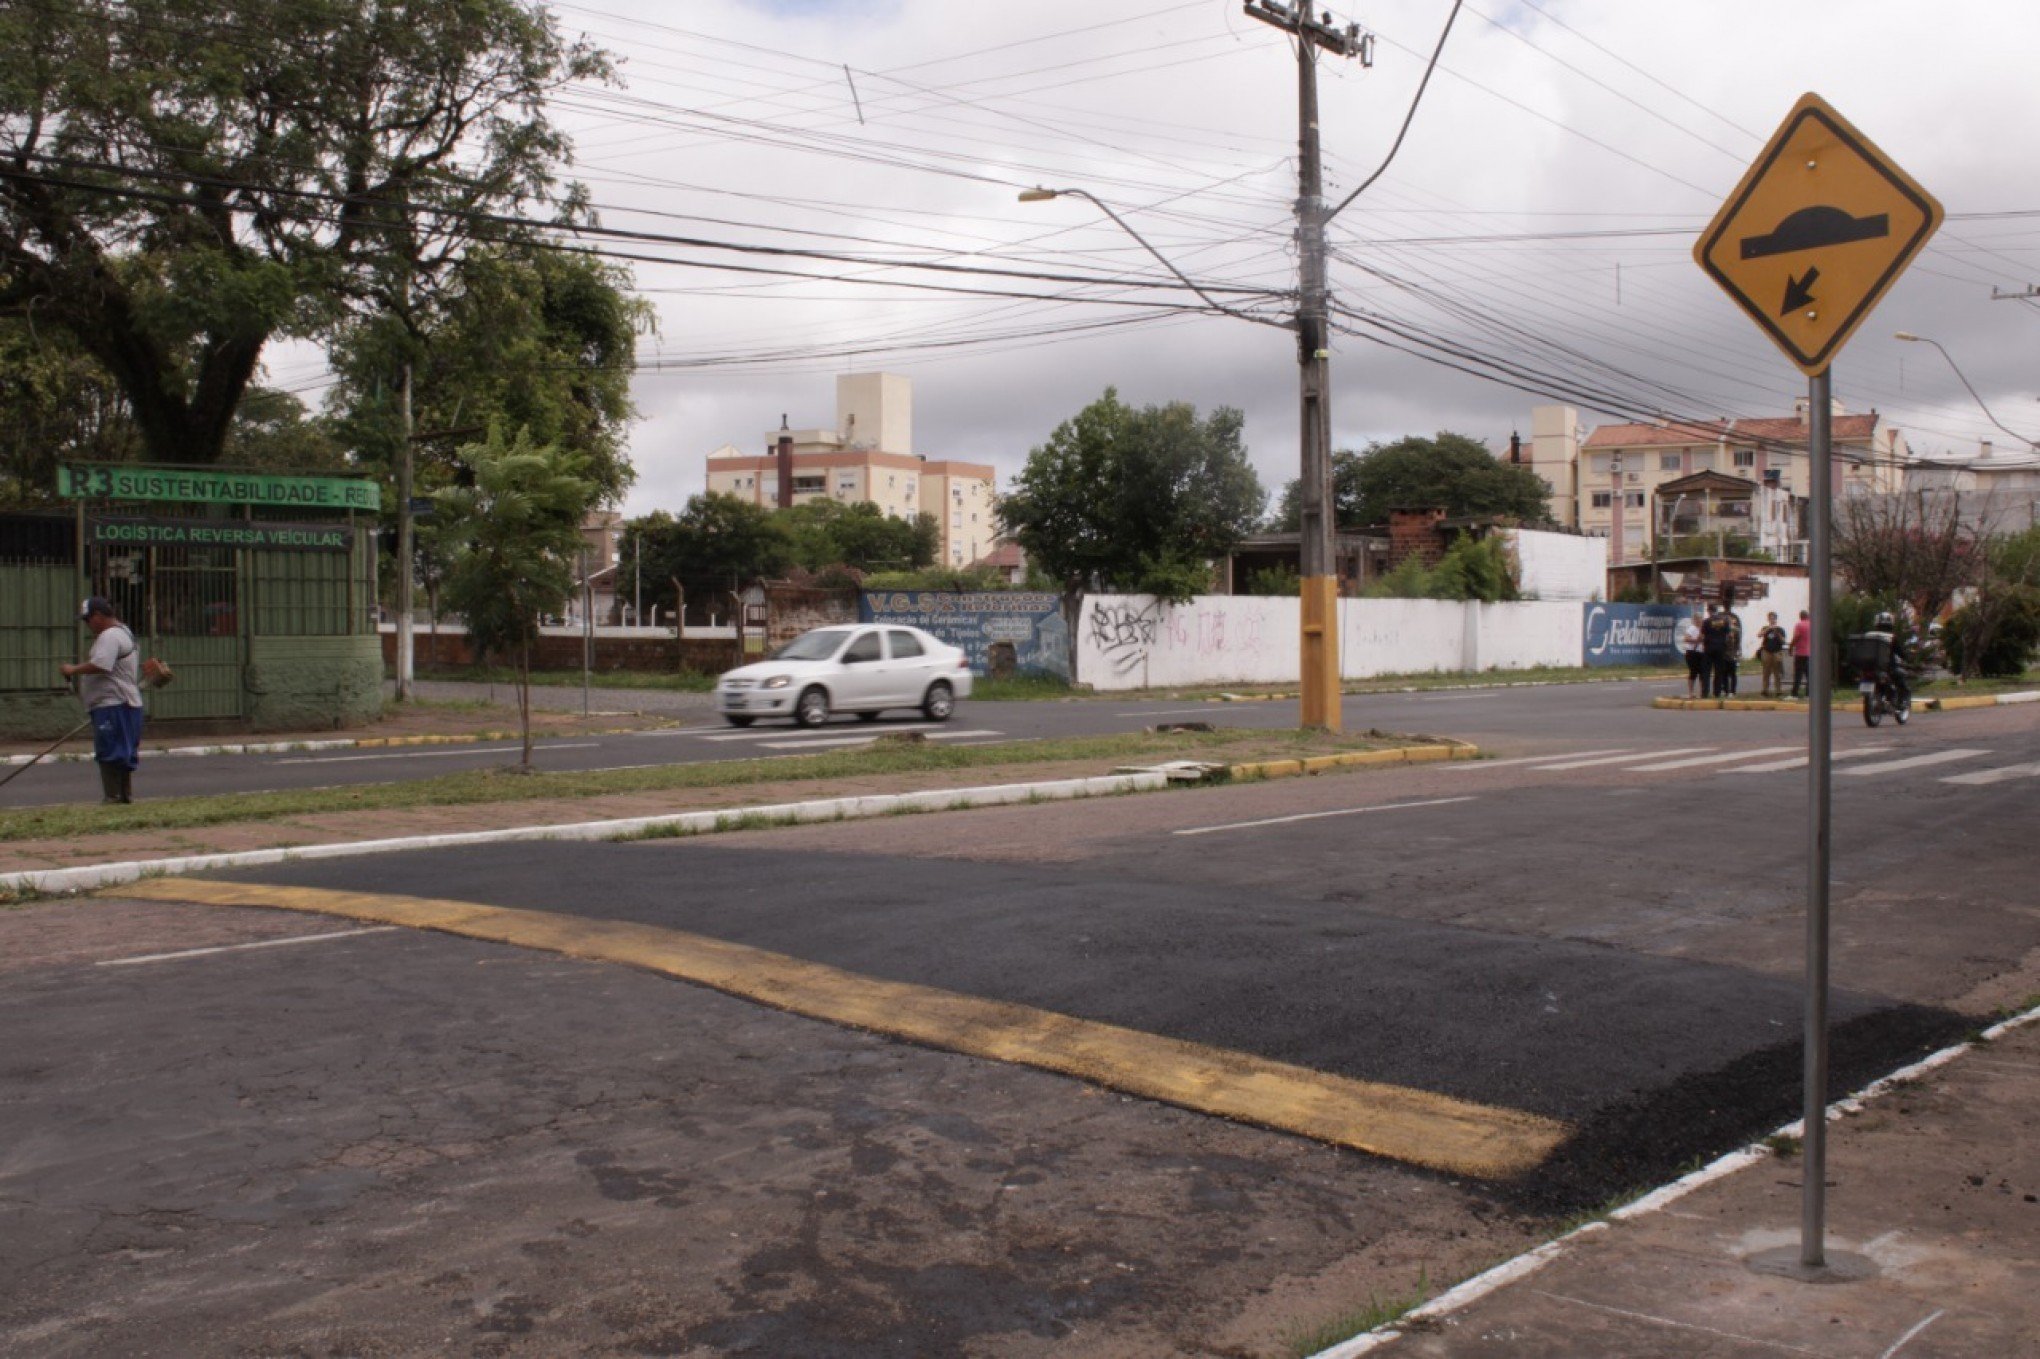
(860, 535)
(718, 544)
(1135, 500)
(1915, 546)
(59, 405)
(523, 336)
(1450, 471)
(184, 179)
(515, 533)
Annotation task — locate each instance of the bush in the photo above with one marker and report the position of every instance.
(1282, 581)
(1470, 569)
(1995, 634)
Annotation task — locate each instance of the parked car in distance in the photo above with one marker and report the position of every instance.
(855, 668)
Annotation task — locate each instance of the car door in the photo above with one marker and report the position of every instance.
(908, 667)
(860, 682)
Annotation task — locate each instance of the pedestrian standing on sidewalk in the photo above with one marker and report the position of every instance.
(1771, 655)
(1714, 650)
(1802, 655)
(110, 683)
(1695, 653)
(1731, 656)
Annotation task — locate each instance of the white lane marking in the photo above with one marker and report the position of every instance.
(1801, 761)
(812, 744)
(231, 948)
(1914, 762)
(1460, 698)
(1908, 1337)
(1699, 760)
(1622, 759)
(2010, 771)
(441, 754)
(815, 732)
(1315, 816)
(1463, 765)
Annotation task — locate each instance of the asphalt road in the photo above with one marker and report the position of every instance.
(397, 1141)
(1500, 717)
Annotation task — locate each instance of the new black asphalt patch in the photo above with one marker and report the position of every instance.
(1655, 1061)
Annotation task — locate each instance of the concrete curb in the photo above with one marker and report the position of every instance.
(93, 877)
(1440, 688)
(335, 743)
(1784, 705)
(1509, 1271)
(1318, 764)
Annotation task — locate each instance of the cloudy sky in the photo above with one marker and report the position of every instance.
(1539, 216)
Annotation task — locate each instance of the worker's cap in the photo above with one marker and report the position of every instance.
(96, 604)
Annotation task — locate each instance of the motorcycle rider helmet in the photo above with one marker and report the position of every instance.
(1884, 623)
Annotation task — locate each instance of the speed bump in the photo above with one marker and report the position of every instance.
(1414, 1126)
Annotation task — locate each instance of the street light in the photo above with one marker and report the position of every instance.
(1974, 394)
(1041, 195)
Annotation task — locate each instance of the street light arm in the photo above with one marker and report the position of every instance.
(1974, 395)
(1040, 195)
(1408, 118)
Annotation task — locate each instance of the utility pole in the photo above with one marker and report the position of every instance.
(406, 584)
(1319, 559)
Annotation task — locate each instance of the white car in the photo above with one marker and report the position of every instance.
(856, 668)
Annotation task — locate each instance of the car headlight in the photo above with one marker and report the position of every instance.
(777, 682)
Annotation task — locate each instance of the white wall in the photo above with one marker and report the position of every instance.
(1134, 642)
(1554, 566)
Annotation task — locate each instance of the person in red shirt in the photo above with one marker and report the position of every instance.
(1802, 654)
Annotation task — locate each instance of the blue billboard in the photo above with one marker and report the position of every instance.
(1029, 622)
(1633, 634)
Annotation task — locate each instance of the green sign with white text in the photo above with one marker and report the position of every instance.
(219, 533)
(222, 487)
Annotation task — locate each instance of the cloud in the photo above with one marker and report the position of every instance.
(1561, 119)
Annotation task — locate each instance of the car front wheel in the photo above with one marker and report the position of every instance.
(813, 708)
(940, 702)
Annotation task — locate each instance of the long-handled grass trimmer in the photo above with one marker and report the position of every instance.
(155, 674)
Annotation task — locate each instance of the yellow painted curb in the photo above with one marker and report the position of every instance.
(1942, 705)
(1415, 1126)
(1734, 705)
(1318, 764)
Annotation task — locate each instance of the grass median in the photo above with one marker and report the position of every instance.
(883, 757)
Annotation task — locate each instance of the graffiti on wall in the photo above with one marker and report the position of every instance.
(998, 629)
(1124, 632)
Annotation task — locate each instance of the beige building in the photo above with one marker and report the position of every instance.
(1623, 466)
(867, 457)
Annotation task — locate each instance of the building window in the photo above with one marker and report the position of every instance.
(1746, 457)
(1603, 499)
(1633, 499)
(802, 485)
(1668, 462)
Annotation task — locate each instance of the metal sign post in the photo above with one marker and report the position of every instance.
(1820, 740)
(1821, 226)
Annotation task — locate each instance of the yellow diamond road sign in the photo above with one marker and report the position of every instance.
(1818, 229)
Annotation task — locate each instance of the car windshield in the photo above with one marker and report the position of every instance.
(818, 645)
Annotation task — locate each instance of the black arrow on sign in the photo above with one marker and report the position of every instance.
(1798, 291)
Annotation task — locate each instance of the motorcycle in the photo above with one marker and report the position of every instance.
(1881, 696)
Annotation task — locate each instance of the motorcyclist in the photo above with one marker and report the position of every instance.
(1885, 627)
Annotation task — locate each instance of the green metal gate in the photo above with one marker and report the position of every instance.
(184, 606)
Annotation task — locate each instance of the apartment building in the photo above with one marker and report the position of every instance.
(868, 456)
(1607, 482)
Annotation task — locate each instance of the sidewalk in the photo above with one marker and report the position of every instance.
(1936, 1182)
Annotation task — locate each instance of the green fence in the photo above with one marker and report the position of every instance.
(38, 624)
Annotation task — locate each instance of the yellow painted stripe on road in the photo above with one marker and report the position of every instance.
(1413, 1126)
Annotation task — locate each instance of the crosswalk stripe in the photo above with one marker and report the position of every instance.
(1801, 762)
(2010, 771)
(1699, 760)
(812, 744)
(817, 733)
(1913, 762)
(1622, 759)
(1462, 766)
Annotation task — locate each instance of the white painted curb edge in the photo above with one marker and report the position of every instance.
(96, 876)
(1528, 1263)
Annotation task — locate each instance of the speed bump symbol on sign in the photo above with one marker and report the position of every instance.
(1817, 231)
